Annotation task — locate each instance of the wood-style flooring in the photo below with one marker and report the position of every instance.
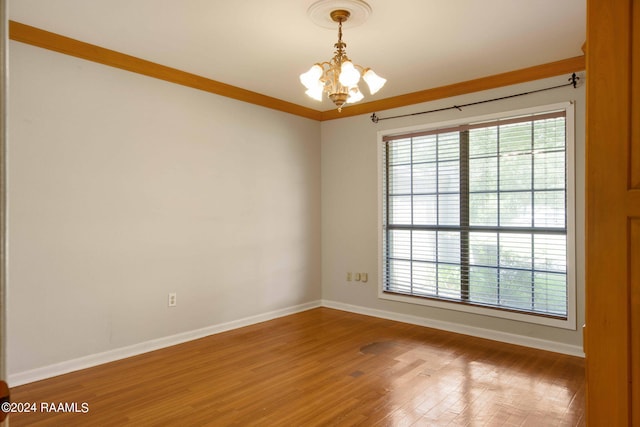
(322, 367)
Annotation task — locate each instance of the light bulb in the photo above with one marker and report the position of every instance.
(311, 78)
(374, 81)
(349, 76)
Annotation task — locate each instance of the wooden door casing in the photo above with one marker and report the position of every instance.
(613, 213)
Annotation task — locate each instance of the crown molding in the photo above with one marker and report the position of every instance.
(58, 43)
(523, 75)
(55, 42)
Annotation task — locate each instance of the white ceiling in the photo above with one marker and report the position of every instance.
(263, 45)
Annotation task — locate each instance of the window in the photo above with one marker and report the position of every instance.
(480, 215)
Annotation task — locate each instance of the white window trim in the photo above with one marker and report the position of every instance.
(570, 322)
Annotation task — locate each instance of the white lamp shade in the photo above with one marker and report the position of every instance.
(354, 95)
(311, 78)
(374, 81)
(315, 92)
(349, 76)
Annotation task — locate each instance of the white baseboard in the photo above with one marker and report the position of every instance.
(89, 361)
(49, 371)
(522, 340)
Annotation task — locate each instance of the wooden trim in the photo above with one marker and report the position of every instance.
(610, 210)
(48, 40)
(5, 396)
(635, 98)
(634, 277)
(537, 72)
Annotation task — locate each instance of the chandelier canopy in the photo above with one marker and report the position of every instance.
(339, 77)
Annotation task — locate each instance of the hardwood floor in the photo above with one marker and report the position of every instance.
(322, 367)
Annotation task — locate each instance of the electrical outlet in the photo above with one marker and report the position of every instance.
(173, 301)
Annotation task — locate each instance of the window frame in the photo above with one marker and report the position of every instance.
(505, 313)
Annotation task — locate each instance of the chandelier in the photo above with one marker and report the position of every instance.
(339, 77)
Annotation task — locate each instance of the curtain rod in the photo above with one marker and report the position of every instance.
(573, 81)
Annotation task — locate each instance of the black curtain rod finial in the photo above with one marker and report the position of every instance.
(374, 118)
(574, 80)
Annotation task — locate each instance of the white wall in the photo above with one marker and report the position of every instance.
(123, 188)
(350, 211)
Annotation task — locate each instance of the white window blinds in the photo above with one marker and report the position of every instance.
(477, 214)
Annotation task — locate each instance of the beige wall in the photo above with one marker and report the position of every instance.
(350, 213)
(124, 188)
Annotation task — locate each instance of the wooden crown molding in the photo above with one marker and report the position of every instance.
(537, 72)
(52, 41)
(58, 43)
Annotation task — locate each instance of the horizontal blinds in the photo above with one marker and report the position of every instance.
(477, 214)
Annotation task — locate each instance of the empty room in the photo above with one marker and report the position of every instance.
(320, 213)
